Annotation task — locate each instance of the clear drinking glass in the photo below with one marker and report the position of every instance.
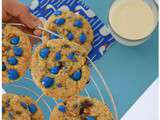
(127, 42)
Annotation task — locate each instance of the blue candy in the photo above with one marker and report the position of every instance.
(71, 56)
(90, 118)
(44, 53)
(14, 40)
(54, 70)
(76, 75)
(60, 100)
(18, 51)
(59, 21)
(62, 108)
(70, 36)
(58, 56)
(12, 60)
(32, 108)
(57, 12)
(47, 82)
(3, 110)
(3, 67)
(24, 105)
(52, 36)
(82, 38)
(78, 23)
(12, 74)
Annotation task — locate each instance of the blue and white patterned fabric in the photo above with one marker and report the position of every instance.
(102, 37)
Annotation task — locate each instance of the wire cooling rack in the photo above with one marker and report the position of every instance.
(96, 88)
(21, 87)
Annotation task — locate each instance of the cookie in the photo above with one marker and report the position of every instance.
(73, 27)
(16, 53)
(81, 108)
(59, 68)
(15, 107)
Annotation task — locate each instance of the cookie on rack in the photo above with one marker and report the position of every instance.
(16, 53)
(16, 107)
(72, 26)
(81, 108)
(59, 68)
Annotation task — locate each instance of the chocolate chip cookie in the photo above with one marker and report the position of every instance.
(59, 68)
(72, 26)
(15, 107)
(16, 53)
(81, 108)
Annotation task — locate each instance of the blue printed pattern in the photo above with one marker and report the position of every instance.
(102, 37)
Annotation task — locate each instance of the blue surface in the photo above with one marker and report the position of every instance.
(128, 70)
(26, 2)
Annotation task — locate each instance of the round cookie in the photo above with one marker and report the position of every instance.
(15, 107)
(59, 68)
(72, 26)
(81, 108)
(16, 53)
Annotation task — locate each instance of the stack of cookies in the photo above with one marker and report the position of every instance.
(58, 66)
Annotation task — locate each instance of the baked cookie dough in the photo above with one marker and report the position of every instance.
(73, 27)
(59, 68)
(15, 107)
(81, 108)
(16, 53)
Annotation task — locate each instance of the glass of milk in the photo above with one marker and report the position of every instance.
(132, 21)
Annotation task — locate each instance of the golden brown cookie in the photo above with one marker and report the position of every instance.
(15, 107)
(16, 53)
(72, 26)
(59, 68)
(81, 108)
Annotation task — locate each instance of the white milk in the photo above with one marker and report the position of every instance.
(132, 19)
